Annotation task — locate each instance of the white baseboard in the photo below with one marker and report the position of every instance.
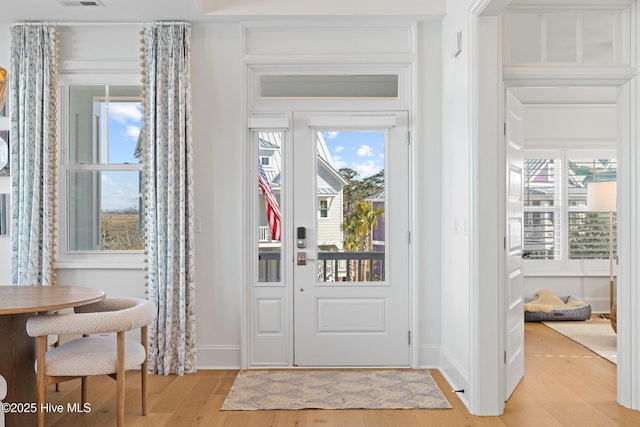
(456, 376)
(428, 357)
(598, 304)
(218, 357)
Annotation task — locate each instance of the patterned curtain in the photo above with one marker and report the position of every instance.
(33, 83)
(168, 188)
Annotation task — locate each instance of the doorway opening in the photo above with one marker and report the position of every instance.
(570, 140)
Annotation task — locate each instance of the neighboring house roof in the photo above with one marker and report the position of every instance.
(376, 197)
(327, 192)
(540, 179)
(269, 145)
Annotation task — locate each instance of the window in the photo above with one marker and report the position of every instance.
(324, 209)
(329, 86)
(101, 170)
(264, 161)
(558, 227)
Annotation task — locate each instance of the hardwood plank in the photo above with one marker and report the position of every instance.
(565, 384)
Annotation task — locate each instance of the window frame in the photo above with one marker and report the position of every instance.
(565, 266)
(326, 209)
(65, 259)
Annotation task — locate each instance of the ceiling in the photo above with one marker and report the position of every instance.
(206, 10)
(110, 11)
(203, 10)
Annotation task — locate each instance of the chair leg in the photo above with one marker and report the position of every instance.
(143, 372)
(83, 390)
(120, 378)
(56, 344)
(41, 349)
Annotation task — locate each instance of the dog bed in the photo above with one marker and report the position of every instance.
(580, 312)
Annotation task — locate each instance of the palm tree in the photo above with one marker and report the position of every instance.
(358, 225)
(361, 221)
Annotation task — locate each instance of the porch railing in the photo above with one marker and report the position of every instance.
(264, 234)
(332, 266)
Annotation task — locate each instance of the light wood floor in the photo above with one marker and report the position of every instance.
(564, 385)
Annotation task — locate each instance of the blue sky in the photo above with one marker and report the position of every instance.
(120, 190)
(360, 151)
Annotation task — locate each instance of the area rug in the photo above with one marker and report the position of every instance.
(334, 389)
(596, 334)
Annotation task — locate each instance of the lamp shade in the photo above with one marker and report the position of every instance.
(601, 196)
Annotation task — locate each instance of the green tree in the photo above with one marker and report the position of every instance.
(358, 225)
(357, 189)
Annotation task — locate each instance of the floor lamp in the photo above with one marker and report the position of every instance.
(601, 196)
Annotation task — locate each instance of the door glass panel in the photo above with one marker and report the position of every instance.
(268, 192)
(350, 197)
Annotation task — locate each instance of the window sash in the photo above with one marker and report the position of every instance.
(97, 163)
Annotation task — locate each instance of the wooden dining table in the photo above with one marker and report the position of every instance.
(18, 350)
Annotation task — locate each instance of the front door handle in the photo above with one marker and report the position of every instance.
(301, 258)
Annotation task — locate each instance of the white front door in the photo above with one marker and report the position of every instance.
(514, 356)
(351, 230)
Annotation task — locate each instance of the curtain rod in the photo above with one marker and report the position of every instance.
(85, 23)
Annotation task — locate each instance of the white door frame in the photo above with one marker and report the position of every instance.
(263, 114)
(487, 300)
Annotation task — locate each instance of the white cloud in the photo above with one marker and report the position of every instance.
(132, 132)
(133, 188)
(106, 181)
(339, 164)
(365, 150)
(338, 149)
(124, 112)
(366, 169)
(331, 135)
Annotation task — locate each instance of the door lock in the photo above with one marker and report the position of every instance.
(301, 237)
(301, 258)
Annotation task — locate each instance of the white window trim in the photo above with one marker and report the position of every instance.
(86, 259)
(328, 209)
(564, 266)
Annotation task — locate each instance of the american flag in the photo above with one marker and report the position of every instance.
(271, 205)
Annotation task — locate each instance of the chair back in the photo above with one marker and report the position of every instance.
(109, 315)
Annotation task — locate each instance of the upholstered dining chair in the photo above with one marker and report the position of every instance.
(93, 355)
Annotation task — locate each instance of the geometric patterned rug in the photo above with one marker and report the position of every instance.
(334, 389)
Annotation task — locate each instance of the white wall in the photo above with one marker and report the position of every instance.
(455, 290)
(218, 135)
(217, 100)
(427, 195)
